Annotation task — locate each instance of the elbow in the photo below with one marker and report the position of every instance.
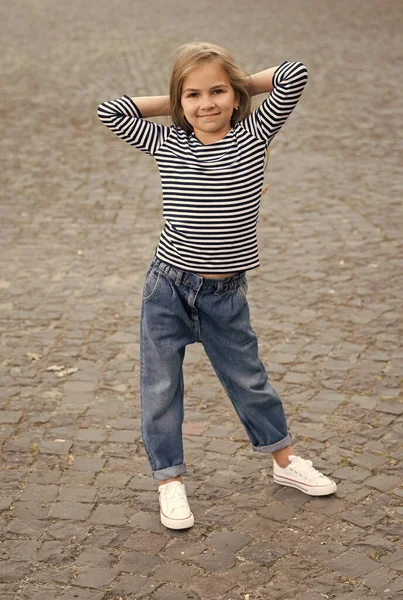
(302, 69)
(101, 112)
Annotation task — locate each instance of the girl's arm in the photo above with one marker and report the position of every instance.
(153, 106)
(285, 85)
(126, 119)
(262, 83)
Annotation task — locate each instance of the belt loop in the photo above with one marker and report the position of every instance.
(178, 277)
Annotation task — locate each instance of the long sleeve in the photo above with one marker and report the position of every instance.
(124, 118)
(289, 81)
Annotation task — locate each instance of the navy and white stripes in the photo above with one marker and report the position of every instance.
(211, 193)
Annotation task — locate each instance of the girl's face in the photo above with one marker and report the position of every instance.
(208, 101)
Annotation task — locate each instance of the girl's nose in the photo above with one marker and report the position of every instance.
(206, 103)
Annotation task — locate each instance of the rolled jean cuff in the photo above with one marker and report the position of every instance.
(169, 472)
(287, 441)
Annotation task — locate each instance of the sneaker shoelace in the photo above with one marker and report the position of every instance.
(304, 467)
(177, 495)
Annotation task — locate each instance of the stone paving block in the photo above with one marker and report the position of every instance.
(10, 416)
(29, 510)
(150, 543)
(215, 561)
(395, 587)
(194, 428)
(379, 579)
(228, 541)
(171, 592)
(395, 560)
(127, 585)
(44, 477)
(263, 553)
(6, 431)
(106, 535)
(257, 525)
(76, 593)
(212, 586)
(353, 474)
(146, 521)
(138, 563)
(8, 591)
(375, 541)
(249, 576)
(18, 550)
(123, 436)
(309, 521)
(299, 567)
(394, 408)
(56, 553)
(369, 461)
(141, 482)
(330, 583)
(77, 478)
(88, 463)
(353, 564)
(223, 446)
(384, 483)
(32, 592)
(108, 514)
(184, 550)
(74, 532)
(280, 587)
(77, 493)
(13, 571)
(91, 435)
(219, 431)
(113, 480)
(32, 528)
(96, 557)
(54, 447)
(366, 402)
(95, 577)
(278, 511)
(39, 493)
(75, 511)
(175, 573)
(299, 378)
(362, 517)
(5, 503)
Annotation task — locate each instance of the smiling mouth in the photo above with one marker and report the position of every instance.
(212, 115)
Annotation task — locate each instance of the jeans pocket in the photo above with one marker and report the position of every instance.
(151, 285)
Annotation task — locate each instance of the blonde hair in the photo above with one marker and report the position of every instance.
(190, 56)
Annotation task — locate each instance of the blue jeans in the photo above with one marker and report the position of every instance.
(180, 308)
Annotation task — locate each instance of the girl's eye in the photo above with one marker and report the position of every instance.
(218, 91)
(192, 95)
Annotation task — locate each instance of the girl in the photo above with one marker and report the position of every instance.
(211, 162)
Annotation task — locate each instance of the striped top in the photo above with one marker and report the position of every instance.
(211, 193)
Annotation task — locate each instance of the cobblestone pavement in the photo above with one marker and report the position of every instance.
(80, 218)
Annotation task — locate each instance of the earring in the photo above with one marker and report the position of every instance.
(237, 107)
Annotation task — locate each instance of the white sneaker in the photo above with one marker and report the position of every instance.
(174, 508)
(301, 474)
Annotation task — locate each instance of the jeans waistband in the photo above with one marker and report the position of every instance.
(181, 276)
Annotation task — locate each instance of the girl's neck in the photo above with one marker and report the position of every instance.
(206, 138)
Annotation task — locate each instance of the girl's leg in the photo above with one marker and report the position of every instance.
(164, 335)
(281, 456)
(231, 345)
